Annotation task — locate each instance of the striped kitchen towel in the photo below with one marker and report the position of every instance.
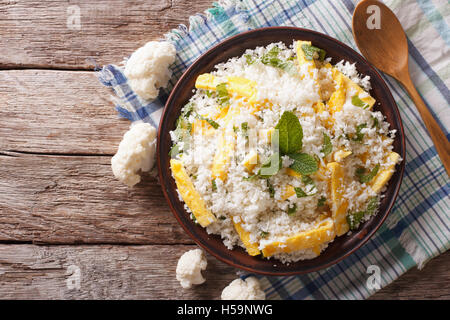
(418, 226)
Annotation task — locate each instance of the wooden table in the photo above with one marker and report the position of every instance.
(62, 213)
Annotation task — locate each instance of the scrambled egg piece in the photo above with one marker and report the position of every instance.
(310, 239)
(339, 155)
(251, 247)
(250, 161)
(339, 207)
(240, 86)
(190, 196)
(383, 176)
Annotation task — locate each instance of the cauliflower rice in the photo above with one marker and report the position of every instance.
(265, 212)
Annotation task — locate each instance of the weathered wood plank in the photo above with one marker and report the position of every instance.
(65, 112)
(106, 272)
(148, 272)
(60, 199)
(43, 34)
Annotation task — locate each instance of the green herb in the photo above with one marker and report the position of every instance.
(354, 219)
(366, 177)
(174, 151)
(235, 129)
(290, 133)
(270, 188)
(292, 210)
(244, 127)
(307, 180)
(375, 122)
(303, 163)
(213, 124)
(222, 94)
(187, 110)
(321, 201)
(193, 218)
(271, 166)
(271, 59)
(327, 146)
(300, 193)
(359, 136)
(313, 53)
(249, 59)
(372, 206)
(214, 185)
(356, 101)
(292, 58)
(310, 186)
(250, 177)
(264, 234)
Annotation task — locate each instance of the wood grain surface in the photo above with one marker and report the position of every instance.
(60, 205)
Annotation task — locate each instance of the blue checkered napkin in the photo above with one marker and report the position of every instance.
(418, 227)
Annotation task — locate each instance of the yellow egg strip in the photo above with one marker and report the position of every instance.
(251, 247)
(380, 180)
(310, 239)
(190, 196)
(339, 207)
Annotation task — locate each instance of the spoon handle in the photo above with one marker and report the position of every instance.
(437, 135)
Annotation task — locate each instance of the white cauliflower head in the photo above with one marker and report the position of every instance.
(136, 153)
(248, 289)
(189, 268)
(148, 70)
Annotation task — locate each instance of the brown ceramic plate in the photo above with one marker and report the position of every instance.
(235, 46)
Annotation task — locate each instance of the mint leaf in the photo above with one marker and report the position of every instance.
(356, 101)
(271, 166)
(321, 201)
(264, 234)
(307, 180)
(327, 146)
(271, 59)
(174, 151)
(359, 136)
(303, 163)
(271, 188)
(222, 94)
(354, 219)
(365, 178)
(292, 210)
(300, 193)
(375, 122)
(290, 133)
(187, 110)
(249, 59)
(372, 206)
(313, 53)
(213, 124)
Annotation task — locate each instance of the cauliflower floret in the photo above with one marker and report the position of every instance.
(247, 289)
(148, 70)
(136, 153)
(189, 268)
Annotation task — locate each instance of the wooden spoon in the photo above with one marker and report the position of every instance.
(384, 45)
